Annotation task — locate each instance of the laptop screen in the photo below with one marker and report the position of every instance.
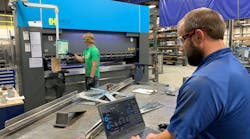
(120, 117)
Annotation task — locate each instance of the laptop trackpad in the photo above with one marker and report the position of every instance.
(146, 131)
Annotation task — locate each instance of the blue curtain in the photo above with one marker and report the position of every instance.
(171, 11)
(244, 9)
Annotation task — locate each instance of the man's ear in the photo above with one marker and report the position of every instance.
(200, 35)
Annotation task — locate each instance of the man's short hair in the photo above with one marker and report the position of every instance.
(207, 19)
(89, 38)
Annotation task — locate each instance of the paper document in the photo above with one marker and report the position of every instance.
(35, 38)
(246, 53)
(35, 41)
(27, 47)
(35, 62)
(143, 91)
(26, 35)
(36, 50)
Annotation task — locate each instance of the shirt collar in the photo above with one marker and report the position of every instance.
(215, 55)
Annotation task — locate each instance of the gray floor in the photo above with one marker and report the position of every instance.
(173, 74)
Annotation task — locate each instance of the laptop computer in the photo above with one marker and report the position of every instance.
(122, 119)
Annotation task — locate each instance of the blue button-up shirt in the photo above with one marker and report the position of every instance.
(214, 103)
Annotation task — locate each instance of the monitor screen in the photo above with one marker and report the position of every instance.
(62, 47)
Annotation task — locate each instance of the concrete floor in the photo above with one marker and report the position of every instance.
(173, 74)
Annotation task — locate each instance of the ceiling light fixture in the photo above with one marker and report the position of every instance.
(152, 6)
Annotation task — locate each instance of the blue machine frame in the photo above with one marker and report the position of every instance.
(92, 15)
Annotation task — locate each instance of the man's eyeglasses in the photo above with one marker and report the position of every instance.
(182, 38)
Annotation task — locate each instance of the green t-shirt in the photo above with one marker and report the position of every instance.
(91, 54)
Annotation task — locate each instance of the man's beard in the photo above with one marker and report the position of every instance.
(194, 55)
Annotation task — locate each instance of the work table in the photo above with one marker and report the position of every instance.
(44, 129)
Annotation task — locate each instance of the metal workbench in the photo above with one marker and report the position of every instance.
(44, 129)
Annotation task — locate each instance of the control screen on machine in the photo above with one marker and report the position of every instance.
(62, 47)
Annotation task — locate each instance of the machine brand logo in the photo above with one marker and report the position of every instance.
(52, 21)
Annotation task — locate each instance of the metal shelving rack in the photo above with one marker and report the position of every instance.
(168, 46)
(7, 68)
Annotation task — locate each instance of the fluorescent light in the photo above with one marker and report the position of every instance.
(152, 6)
(245, 24)
(242, 21)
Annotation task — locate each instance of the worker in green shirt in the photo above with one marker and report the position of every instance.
(91, 58)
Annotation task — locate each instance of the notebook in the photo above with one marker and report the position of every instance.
(122, 119)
